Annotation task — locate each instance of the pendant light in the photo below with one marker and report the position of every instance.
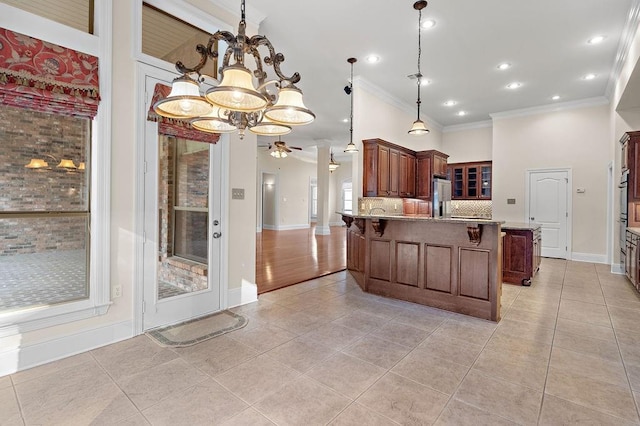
(418, 127)
(333, 165)
(351, 147)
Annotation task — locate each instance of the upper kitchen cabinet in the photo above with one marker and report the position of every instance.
(470, 181)
(389, 170)
(430, 164)
(631, 161)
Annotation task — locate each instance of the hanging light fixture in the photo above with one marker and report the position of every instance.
(351, 147)
(418, 127)
(236, 104)
(333, 165)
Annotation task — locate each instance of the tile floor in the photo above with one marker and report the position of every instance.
(567, 351)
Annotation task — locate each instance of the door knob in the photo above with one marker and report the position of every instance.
(216, 223)
(217, 234)
(533, 218)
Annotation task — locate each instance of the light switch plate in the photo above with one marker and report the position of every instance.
(237, 193)
(511, 200)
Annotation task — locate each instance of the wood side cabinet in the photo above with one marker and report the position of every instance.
(470, 181)
(389, 170)
(430, 164)
(521, 255)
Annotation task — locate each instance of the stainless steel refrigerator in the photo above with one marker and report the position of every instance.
(441, 198)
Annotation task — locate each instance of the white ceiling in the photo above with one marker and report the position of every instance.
(545, 41)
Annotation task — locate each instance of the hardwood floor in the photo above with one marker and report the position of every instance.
(289, 257)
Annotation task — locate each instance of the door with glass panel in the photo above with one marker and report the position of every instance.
(182, 226)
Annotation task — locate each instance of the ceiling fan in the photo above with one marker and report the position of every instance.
(279, 149)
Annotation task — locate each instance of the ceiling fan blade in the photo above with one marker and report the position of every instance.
(286, 148)
(296, 147)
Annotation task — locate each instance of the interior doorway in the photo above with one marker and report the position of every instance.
(269, 216)
(549, 204)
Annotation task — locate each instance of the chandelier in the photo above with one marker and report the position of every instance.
(351, 147)
(235, 104)
(418, 127)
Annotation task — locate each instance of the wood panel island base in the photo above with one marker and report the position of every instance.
(451, 264)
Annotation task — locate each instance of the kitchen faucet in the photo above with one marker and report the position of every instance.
(376, 208)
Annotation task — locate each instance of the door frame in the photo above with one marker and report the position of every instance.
(527, 215)
(141, 109)
(260, 200)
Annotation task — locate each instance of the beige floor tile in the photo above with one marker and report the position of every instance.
(52, 367)
(458, 351)
(401, 334)
(513, 366)
(377, 351)
(596, 368)
(595, 347)
(544, 320)
(587, 330)
(361, 321)
(263, 337)
(216, 355)
(205, 403)
(302, 401)
(601, 396)
(519, 347)
(404, 400)
(132, 356)
(135, 420)
(622, 302)
(541, 307)
(9, 408)
(556, 411)
(357, 415)
(301, 354)
(585, 312)
(79, 395)
(461, 330)
(257, 378)
(380, 309)
(333, 336)
(633, 373)
(440, 374)
(421, 319)
(298, 322)
(5, 382)
(530, 331)
(249, 417)
(624, 318)
(164, 381)
(621, 291)
(582, 294)
(346, 375)
(515, 402)
(457, 413)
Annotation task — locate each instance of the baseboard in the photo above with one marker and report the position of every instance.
(240, 296)
(258, 229)
(270, 227)
(290, 227)
(22, 357)
(617, 268)
(589, 257)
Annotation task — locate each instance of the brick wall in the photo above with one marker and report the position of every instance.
(25, 135)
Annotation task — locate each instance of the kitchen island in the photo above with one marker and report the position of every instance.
(521, 252)
(451, 264)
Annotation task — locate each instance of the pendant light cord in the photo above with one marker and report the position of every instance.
(419, 56)
(351, 115)
(242, 8)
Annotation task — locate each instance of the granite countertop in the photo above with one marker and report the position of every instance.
(520, 225)
(423, 218)
(634, 230)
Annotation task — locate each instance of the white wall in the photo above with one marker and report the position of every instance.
(468, 145)
(578, 139)
(335, 194)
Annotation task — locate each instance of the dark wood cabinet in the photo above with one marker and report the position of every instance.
(631, 266)
(521, 254)
(631, 161)
(394, 171)
(470, 181)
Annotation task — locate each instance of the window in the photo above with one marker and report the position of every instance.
(76, 14)
(314, 199)
(44, 208)
(347, 197)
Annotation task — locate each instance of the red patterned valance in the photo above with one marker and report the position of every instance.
(174, 127)
(42, 76)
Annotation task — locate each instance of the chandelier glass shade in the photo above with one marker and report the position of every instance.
(64, 163)
(279, 153)
(241, 100)
(418, 127)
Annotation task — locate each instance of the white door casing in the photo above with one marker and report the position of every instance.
(548, 204)
(158, 312)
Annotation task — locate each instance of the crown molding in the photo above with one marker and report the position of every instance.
(467, 126)
(562, 106)
(363, 83)
(626, 39)
(254, 17)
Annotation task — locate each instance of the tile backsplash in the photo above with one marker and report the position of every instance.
(394, 206)
(380, 205)
(476, 208)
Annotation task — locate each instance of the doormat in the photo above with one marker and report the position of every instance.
(197, 330)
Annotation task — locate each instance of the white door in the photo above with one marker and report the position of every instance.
(548, 206)
(182, 226)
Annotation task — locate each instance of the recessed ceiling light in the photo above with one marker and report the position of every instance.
(372, 59)
(504, 66)
(514, 85)
(555, 97)
(589, 76)
(450, 103)
(429, 23)
(596, 39)
(461, 113)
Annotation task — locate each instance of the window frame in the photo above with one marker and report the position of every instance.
(98, 44)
